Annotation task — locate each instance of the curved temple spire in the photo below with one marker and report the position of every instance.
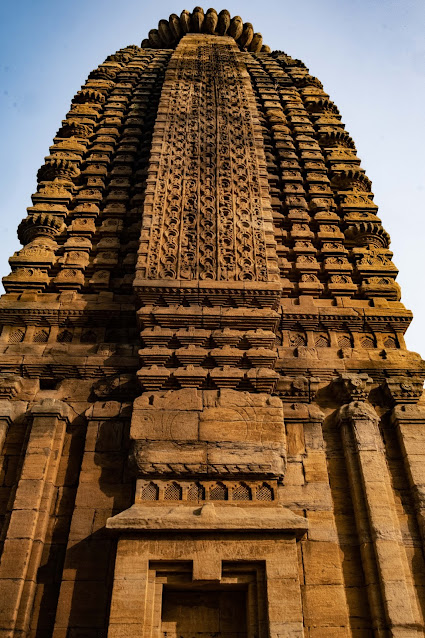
(201, 350)
(169, 32)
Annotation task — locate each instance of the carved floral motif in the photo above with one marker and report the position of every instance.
(207, 223)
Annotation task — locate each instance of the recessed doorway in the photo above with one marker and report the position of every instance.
(204, 613)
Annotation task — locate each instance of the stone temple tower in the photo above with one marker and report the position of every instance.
(209, 421)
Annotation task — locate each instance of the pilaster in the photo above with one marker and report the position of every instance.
(9, 410)
(29, 516)
(104, 489)
(307, 485)
(392, 606)
(408, 418)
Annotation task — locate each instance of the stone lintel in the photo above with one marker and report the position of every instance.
(208, 518)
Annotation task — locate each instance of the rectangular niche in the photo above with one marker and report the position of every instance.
(231, 608)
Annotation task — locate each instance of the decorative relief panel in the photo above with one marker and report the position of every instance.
(255, 492)
(207, 211)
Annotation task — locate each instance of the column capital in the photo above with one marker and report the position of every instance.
(51, 408)
(9, 410)
(402, 389)
(348, 387)
(407, 414)
(10, 385)
(303, 412)
(356, 411)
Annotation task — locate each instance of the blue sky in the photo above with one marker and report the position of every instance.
(369, 54)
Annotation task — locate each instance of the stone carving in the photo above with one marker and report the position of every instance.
(355, 413)
(40, 251)
(220, 433)
(62, 170)
(298, 388)
(351, 179)
(193, 237)
(169, 32)
(402, 389)
(368, 233)
(254, 491)
(204, 279)
(10, 385)
(349, 387)
(40, 224)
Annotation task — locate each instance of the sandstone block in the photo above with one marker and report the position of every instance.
(315, 467)
(171, 425)
(279, 590)
(322, 563)
(324, 605)
(295, 439)
(125, 605)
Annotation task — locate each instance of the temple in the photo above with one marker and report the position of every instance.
(210, 425)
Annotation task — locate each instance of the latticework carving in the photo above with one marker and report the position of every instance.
(41, 336)
(64, 336)
(150, 492)
(264, 492)
(218, 492)
(16, 336)
(173, 492)
(195, 492)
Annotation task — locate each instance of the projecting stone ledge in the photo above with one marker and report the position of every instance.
(183, 518)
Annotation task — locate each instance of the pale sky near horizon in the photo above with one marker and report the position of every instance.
(369, 55)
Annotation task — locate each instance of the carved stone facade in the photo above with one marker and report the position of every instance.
(209, 421)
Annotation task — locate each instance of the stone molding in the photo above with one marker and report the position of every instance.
(10, 385)
(208, 517)
(407, 413)
(51, 408)
(403, 389)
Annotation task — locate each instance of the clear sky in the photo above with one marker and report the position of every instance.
(369, 55)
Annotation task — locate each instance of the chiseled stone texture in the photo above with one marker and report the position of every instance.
(209, 420)
(198, 433)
